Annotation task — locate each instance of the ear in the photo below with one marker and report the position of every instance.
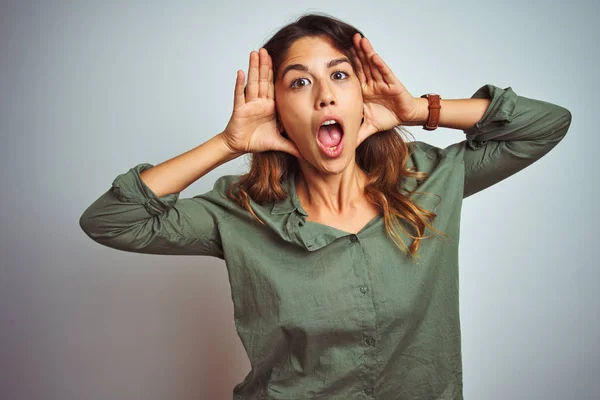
(279, 124)
(281, 129)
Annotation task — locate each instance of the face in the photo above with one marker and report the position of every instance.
(315, 81)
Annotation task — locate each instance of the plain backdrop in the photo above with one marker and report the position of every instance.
(90, 89)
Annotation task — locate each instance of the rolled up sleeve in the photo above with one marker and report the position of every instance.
(514, 132)
(130, 217)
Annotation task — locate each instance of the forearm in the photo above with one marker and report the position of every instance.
(455, 113)
(176, 174)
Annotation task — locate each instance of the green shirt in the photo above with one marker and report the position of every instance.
(323, 313)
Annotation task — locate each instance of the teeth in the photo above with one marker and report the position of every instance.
(329, 122)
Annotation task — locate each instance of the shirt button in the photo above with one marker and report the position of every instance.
(363, 289)
(368, 391)
(370, 341)
(353, 238)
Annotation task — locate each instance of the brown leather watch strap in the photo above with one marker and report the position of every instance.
(434, 111)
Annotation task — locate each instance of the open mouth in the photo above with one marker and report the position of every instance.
(330, 137)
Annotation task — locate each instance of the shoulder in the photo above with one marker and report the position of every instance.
(444, 167)
(223, 182)
(221, 186)
(219, 197)
(427, 157)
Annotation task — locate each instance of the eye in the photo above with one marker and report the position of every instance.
(296, 85)
(338, 75)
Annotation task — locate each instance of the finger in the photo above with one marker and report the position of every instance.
(370, 53)
(388, 76)
(364, 61)
(289, 147)
(239, 99)
(360, 73)
(361, 56)
(356, 45)
(363, 133)
(375, 69)
(252, 85)
(271, 93)
(263, 74)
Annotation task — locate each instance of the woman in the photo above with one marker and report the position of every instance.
(340, 284)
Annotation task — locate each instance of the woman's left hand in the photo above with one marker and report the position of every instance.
(387, 103)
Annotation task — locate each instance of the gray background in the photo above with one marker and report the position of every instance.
(89, 89)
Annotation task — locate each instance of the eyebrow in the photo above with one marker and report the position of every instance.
(302, 67)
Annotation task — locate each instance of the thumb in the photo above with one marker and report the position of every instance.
(364, 132)
(286, 145)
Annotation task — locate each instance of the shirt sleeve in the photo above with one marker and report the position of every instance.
(131, 217)
(514, 132)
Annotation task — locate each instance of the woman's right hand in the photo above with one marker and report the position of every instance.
(252, 127)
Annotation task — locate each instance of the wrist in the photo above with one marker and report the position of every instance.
(224, 148)
(422, 114)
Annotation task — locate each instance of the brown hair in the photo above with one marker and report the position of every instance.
(383, 156)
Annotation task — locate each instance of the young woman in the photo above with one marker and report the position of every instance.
(341, 242)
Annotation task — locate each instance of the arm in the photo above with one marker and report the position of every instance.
(141, 212)
(176, 174)
(505, 133)
(455, 113)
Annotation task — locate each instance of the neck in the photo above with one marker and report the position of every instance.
(330, 194)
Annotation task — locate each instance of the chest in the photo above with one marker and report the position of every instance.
(350, 222)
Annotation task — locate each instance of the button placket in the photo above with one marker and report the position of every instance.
(369, 360)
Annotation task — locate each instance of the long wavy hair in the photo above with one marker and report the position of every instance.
(383, 156)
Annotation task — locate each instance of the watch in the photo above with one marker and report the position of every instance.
(434, 107)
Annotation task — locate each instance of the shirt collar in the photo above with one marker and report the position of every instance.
(291, 223)
(292, 202)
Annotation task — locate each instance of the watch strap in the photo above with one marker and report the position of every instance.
(434, 106)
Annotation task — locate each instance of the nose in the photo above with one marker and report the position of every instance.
(325, 97)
